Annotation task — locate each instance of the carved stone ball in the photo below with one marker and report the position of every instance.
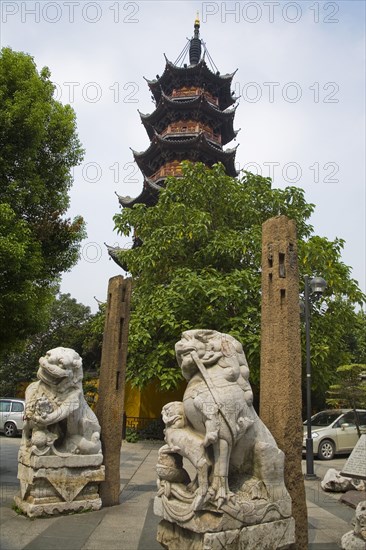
(39, 439)
(170, 468)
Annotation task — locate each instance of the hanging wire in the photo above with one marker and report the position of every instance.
(181, 57)
(211, 61)
(183, 53)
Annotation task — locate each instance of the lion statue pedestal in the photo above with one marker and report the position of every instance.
(60, 457)
(237, 498)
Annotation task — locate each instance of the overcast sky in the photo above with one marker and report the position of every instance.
(301, 114)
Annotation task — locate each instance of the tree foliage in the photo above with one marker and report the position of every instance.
(71, 325)
(199, 267)
(39, 146)
(336, 328)
(350, 389)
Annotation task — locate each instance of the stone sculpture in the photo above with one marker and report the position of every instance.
(356, 539)
(60, 457)
(236, 497)
(335, 482)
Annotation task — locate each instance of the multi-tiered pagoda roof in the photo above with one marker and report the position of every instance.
(193, 120)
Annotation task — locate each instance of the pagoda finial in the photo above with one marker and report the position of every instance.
(195, 46)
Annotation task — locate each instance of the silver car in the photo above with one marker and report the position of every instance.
(334, 431)
(11, 416)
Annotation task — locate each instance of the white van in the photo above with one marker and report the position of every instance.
(11, 416)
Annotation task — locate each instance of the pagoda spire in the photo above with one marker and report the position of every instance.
(195, 44)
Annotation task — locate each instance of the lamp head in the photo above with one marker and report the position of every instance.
(318, 285)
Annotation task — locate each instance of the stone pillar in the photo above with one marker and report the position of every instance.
(280, 374)
(112, 384)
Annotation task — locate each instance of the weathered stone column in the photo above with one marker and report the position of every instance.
(280, 374)
(112, 384)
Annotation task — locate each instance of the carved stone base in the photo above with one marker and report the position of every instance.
(52, 485)
(232, 515)
(266, 536)
(54, 508)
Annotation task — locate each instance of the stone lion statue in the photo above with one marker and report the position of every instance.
(58, 420)
(356, 539)
(239, 468)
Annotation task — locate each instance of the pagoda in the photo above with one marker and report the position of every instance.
(193, 120)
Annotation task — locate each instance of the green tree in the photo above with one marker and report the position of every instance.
(199, 267)
(350, 389)
(71, 325)
(335, 326)
(39, 146)
(356, 341)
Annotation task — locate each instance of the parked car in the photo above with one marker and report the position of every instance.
(11, 416)
(334, 431)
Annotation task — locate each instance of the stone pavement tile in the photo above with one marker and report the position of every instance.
(130, 491)
(136, 455)
(147, 476)
(122, 526)
(315, 493)
(146, 473)
(132, 486)
(67, 531)
(352, 498)
(9, 459)
(323, 546)
(325, 526)
(18, 531)
(55, 543)
(7, 492)
(148, 536)
(330, 502)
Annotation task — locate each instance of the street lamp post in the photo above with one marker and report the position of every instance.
(317, 285)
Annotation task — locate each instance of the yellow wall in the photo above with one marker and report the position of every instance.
(132, 400)
(147, 403)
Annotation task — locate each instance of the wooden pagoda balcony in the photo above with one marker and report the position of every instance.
(190, 92)
(173, 168)
(190, 128)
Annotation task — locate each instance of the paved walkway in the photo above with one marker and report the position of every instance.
(132, 524)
